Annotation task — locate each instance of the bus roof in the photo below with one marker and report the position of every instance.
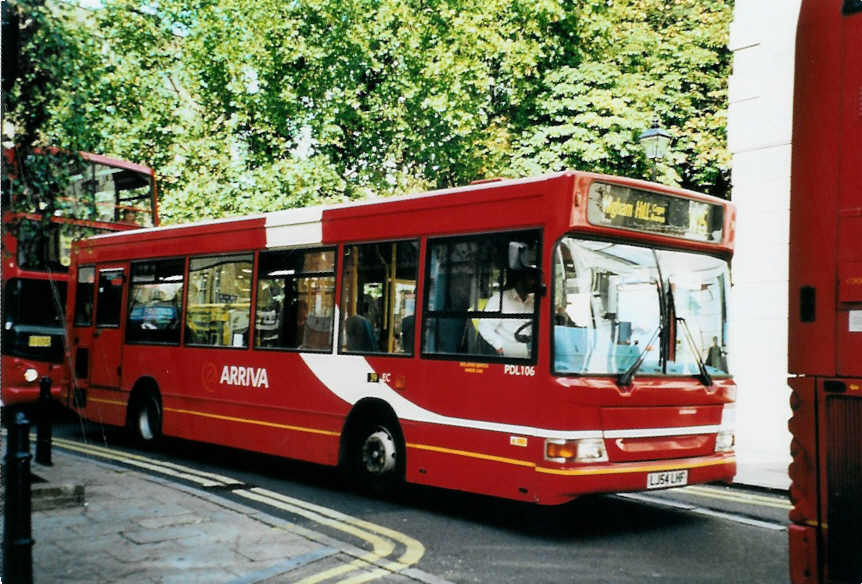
(497, 187)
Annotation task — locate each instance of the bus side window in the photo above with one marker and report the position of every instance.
(155, 302)
(378, 299)
(295, 299)
(110, 298)
(84, 290)
(219, 301)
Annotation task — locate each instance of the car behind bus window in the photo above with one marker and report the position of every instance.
(295, 300)
(219, 301)
(480, 296)
(155, 302)
(378, 298)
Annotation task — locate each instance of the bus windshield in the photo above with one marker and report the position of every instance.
(616, 304)
(106, 193)
(85, 190)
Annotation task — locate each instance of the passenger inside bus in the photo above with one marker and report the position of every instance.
(358, 329)
(516, 298)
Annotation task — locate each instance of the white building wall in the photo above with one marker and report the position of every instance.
(762, 38)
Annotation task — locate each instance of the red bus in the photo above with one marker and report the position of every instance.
(825, 316)
(99, 195)
(533, 339)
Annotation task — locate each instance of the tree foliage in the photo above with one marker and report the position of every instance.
(294, 103)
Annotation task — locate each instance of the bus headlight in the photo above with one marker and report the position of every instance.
(724, 441)
(584, 450)
(31, 375)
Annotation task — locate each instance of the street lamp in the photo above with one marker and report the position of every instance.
(655, 142)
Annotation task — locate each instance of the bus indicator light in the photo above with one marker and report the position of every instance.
(560, 450)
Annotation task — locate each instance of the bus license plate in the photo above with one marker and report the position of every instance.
(39, 341)
(671, 478)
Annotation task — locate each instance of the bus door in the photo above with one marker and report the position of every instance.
(106, 347)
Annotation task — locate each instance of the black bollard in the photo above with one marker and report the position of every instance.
(43, 424)
(17, 532)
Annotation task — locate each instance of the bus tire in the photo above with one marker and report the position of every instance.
(376, 456)
(145, 418)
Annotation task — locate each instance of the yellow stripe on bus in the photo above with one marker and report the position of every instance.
(468, 454)
(255, 422)
(107, 401)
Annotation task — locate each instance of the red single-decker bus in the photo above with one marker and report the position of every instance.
(534, 339)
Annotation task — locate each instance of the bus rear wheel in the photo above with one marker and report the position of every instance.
(145, 420)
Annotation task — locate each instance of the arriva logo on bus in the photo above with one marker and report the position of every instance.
(244, 376)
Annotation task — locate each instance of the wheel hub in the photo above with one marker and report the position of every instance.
(144, 425)
(378, 452)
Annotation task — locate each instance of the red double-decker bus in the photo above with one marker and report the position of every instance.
(532, 339)
(95, 194)
(825, 317)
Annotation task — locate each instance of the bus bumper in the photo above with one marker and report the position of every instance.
(562, 484)
(16, 390)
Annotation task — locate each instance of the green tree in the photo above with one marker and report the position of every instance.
(632, 61)
(295, 103)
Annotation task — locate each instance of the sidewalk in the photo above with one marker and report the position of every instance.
(766, 473)
(127, 526)
(96, 522)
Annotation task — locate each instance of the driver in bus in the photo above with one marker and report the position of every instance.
(516, 298)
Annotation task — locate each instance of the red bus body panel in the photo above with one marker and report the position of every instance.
(825, 332)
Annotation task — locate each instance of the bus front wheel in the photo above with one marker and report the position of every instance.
(377, 457)
(379, 453)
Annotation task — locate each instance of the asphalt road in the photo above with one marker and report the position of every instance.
(712, 534)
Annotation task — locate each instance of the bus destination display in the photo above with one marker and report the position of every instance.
(619, 206)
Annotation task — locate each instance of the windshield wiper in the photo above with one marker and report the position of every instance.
(704, 376)
(625, 379)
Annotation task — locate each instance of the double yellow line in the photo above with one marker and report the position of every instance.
(736, 497)
(381, 538)
(382, 560)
